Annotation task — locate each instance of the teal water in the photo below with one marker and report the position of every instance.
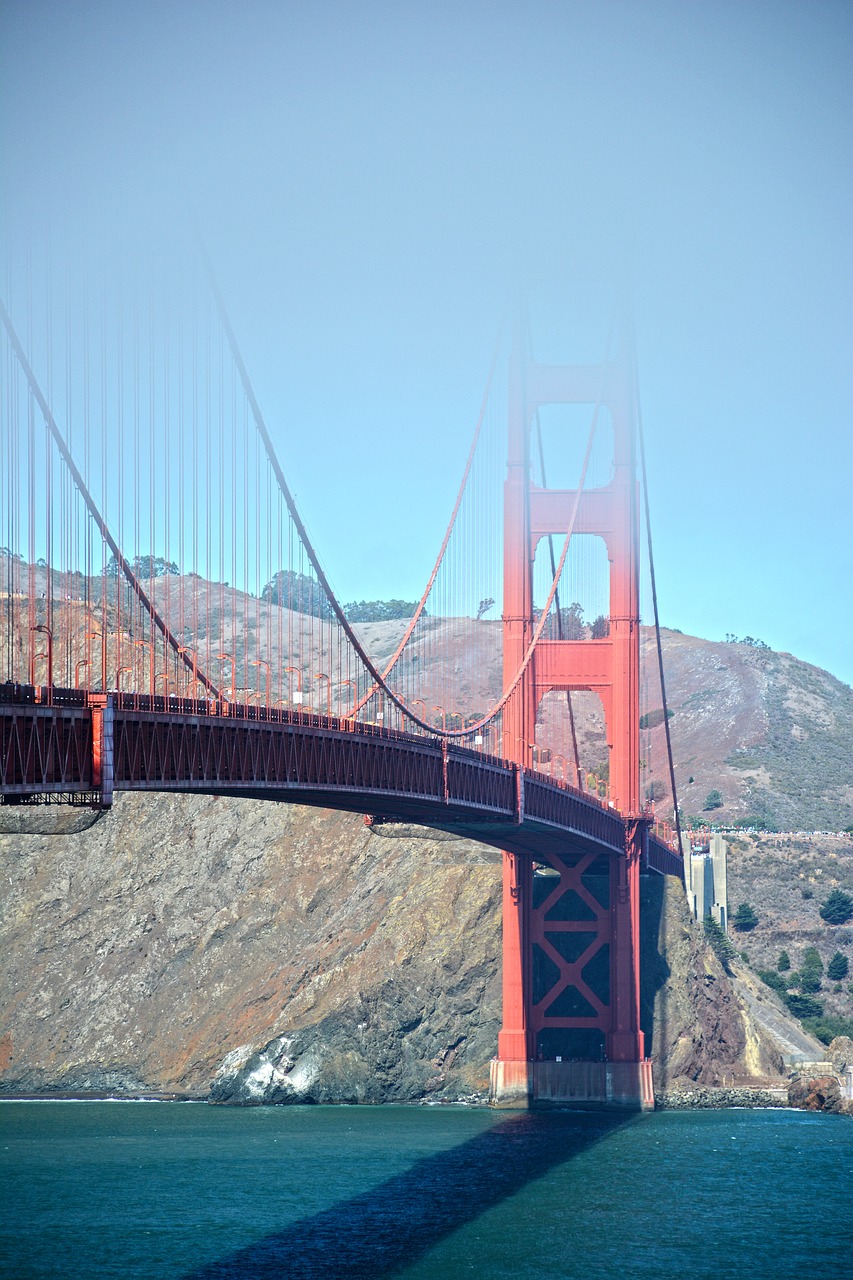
(162, 1190)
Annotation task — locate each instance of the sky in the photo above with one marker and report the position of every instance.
(378, 183)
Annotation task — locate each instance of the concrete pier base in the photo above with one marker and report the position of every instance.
(621, 1086)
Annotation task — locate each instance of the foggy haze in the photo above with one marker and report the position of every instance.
(377, 184)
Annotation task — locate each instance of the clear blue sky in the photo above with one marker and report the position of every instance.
(377, 181)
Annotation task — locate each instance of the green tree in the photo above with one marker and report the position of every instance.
(804, 1006)
(838, 967)
(745, 918)
(783, 964)
(812, 960)
(718, 942)
(298, 592)
(713, 800)
(838, 908)
(774, 980)
(600, 627)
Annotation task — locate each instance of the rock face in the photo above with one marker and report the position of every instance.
(816, 1093)
(248, 951)
(702, 1029)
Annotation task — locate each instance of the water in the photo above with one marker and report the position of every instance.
(162, 1190)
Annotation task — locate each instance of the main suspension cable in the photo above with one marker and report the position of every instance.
(635, 389)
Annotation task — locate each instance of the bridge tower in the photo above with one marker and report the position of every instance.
(571, 968)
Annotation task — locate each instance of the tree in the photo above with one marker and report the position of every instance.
(718, 942)
(838, 967)
(144, 567)
(601, 627)
(380, 610)
(484, 606)
(746, 918)
(297, 592)
(655, 790)
(713, 800)
(804, 1006)
(783, 964)
(838, 908)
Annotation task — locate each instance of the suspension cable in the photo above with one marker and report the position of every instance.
(641, 440)
(135, 584)
(370, 666)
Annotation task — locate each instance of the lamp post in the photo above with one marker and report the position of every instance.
(227, 657)
(184, 648)
(149, 645)
(296, 698)
(84, 662)
(352, 683)
(321, 675)
(443, 717)
(261, 662)
(44, 629)
(99, 635)
(119, 674)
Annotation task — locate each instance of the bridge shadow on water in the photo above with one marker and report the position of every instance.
(378, 1232)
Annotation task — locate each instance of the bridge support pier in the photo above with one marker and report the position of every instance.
(617, 1086)
(571, 982)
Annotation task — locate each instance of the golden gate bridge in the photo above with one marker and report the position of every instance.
(167, 625)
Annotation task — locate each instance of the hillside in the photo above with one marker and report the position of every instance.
(786, 879)
(260, 952)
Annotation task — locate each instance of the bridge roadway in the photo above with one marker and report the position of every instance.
(70, 745)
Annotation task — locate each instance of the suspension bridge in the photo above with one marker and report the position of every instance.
(167, 625)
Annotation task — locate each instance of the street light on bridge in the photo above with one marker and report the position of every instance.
(261, 662)
(227, 657)
(120, 671)
(149, 645)
(321, 675)
(354, 686)
(44, 629)
(296, 698)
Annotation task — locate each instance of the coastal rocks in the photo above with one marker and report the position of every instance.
(818, 1093)
(840, 1053)
(688, 1099)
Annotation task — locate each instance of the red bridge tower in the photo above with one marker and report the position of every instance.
(571, 966)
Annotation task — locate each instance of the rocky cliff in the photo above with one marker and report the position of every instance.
(249, 951)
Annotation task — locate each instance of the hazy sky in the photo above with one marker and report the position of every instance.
(376, 183)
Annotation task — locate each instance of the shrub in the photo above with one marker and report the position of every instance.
(808, 893)
(713, 800)
(745, 918)
(804, 1006)
(838, 967)
(783, 964)
(827, 1028)
(773, 980)
(838, 908)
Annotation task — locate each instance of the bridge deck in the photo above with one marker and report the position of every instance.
(66, 744)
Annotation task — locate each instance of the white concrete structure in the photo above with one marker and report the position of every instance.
(705, 879)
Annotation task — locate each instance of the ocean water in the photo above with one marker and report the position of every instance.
(161, 1190)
